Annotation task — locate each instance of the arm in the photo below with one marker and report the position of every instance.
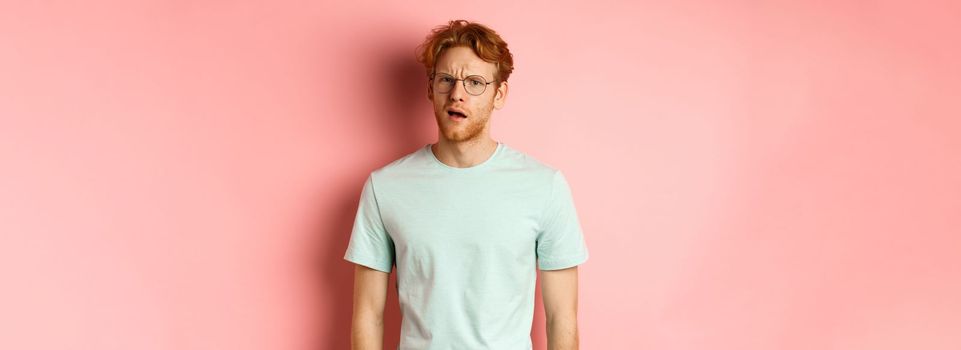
(559, 290)
(370, 296)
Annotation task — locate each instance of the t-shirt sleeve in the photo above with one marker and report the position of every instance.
(370, 244)
(560, 242)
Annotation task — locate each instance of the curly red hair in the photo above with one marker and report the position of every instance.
(484, 41)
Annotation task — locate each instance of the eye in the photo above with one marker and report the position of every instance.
(446, 80)
(474, 81)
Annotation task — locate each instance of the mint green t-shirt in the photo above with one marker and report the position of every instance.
(466, 243)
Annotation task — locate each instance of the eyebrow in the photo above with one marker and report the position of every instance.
(445, 73)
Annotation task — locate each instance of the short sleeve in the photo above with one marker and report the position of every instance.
(370, 245)
(560, 242)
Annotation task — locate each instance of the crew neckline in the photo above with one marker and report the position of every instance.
(490, 159)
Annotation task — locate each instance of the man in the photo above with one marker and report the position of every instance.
(467, 220)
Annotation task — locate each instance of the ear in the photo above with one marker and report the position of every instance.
(500, 96)
(430, 92)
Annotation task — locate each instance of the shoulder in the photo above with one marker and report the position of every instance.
(413, 161)
(517, 160)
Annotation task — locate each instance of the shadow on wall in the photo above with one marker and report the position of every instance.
(396, 86)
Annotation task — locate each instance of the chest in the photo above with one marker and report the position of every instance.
(488, 217)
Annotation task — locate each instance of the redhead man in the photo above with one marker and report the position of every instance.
(467, 221)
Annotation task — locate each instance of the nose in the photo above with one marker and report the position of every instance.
(457, 92)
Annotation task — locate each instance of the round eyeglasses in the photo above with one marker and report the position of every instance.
(473, 84)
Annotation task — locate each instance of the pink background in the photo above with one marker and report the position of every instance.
(749, 174)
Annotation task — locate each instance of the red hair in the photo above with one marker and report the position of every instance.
(484, 41)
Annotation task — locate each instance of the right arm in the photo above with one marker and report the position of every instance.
(370, 296)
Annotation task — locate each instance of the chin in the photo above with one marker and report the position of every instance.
(453, 133)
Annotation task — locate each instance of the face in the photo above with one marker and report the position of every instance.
(461, 62)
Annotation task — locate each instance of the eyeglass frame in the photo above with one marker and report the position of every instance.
(430, 82)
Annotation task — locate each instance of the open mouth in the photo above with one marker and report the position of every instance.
(456, 115)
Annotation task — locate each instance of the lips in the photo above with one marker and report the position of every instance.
(454, 112)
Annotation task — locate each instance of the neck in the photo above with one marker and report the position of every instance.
(464, 154)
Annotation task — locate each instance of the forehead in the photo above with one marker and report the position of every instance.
(462, 60)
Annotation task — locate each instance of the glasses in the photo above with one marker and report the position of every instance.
(473, 84)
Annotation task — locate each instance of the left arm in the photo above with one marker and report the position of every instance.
(559, 291)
